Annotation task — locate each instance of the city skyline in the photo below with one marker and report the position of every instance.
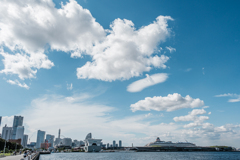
(129, 71)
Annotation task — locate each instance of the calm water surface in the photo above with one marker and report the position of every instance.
(144, 155)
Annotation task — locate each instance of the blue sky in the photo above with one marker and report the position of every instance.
(78, 60)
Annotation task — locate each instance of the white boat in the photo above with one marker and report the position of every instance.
(159, 143)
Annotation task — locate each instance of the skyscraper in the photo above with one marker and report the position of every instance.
(50, 139)
(59, 133)
(19, 133)
(40, 138)
(114, 143)
(6, 132)
(18, 121)
(0, 120)
(24, 141)
(120, 143)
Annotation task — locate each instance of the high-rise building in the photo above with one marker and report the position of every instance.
(20, 133)
(114, 143)
(50, 138)
(59, 133)
(6, 132)
(0, 120)
(40, 138)
(120, 143)
(67, 141)
(107, 145)
(58, 141)
(18, 121)
(24, 141)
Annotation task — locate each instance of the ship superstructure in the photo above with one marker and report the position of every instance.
(159, 143)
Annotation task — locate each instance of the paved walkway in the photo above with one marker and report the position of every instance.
(17, 157)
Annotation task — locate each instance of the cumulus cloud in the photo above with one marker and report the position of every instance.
(127, 52)
(236, 97)
(193, 116)
(16, 82)
(31, 25)
(24, 65)
(171, 49)
(141, 84)
(29, 28)
(169, 103)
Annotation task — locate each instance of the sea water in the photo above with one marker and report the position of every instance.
(143, 156)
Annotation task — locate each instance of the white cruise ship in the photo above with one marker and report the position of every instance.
(159, 143)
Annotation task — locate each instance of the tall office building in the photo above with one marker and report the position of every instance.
(40, 138)
(18, 121)
(107, 145)
(0, 120)
(50, 139)
(67, 141)
(114, 143)
(24, 141)
(59, 133)
(120, 143)
(20, 133)
(6, 132)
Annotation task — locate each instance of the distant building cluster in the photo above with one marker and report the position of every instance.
(16, 132)
(48, 141)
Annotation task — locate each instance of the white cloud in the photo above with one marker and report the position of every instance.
(69, 86)
(236, 97)
(169, 103)
(127, 52)
(139, 85)
(188, 70)
(29, 28)
(193, 116)
(24, 65)
(171, 49)
(16, 82)
(31, 25)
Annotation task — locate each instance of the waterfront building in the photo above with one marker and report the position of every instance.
(49, 138)
(20, 133)
(58, 141)
(158, 142)
(120, 143)
(46, 145)
(17, 121)
(82, 143)
(92, 145)
(114, 143)
(24, 141)
(0, 120)
(31, 145)
(89, 136)
(6, 132)
(67, 141)
(107, 145)
(40, 138)
(18, 141)
(111, 146)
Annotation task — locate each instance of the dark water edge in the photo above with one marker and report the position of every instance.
(144, 156)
